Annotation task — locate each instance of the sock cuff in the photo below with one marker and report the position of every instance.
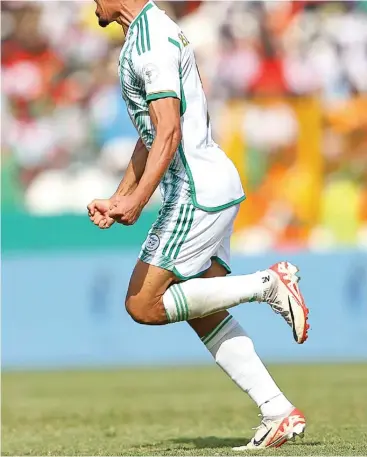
(175, 304)
(224, 327)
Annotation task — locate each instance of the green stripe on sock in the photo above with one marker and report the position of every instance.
(179, 305)
(180, 244)
(174, 230)
(179, 233)
(142, 35)
(184, 301)
(168, 316)
(206, 339)
(147, 31)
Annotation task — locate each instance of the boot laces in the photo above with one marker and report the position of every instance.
(283, 312)
(262, 423)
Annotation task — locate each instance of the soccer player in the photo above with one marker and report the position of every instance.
(181, 273)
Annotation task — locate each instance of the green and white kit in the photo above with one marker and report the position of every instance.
(201, 189)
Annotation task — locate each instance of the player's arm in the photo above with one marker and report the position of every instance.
(165, 115)
(98, 209)
(134, 171)
(159, 71)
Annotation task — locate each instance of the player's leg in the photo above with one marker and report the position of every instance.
(205, 325)
(234, 352)
(276, 286)
(188, 243)
(230, 346)
(226, 340)
(154, 296)
(148, 283)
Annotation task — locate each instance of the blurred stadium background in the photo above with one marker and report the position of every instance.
(286, 84)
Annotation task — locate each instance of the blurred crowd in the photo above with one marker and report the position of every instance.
(66, 135)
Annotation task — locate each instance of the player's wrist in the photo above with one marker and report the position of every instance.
(140, 197)
(114, 197)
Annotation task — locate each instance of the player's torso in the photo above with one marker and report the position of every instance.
(141, 38)
(200, 171)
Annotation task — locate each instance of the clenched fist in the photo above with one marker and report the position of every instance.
(126, 210)
(98, 213)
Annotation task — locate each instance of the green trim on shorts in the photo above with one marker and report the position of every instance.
(206, 339)
(222, 262)
(197, 275)
(186, 278)
(180, 232)
(186, 231)
(173, 235)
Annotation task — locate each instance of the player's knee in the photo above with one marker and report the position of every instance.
(142, 311)
(136, 309)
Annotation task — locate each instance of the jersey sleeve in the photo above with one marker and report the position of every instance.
(160, 72)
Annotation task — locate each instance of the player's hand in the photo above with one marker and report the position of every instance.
(98, 213)
(125, 210)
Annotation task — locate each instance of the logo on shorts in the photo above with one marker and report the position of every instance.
(152, 242)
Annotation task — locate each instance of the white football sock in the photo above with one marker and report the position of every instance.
(200, 297)
(234, 352)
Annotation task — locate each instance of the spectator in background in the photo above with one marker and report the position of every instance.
(57, 133)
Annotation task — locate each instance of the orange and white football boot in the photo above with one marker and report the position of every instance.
(285, 298)
(275, 432)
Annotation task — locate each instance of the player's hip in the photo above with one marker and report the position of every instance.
(186, 235)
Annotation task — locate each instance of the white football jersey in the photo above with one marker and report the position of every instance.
(157, 61)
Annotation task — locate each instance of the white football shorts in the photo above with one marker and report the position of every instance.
(185, 239)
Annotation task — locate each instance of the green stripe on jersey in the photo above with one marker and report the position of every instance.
(175, 43)
(163, 94)
(146, 8)
(137, 39)
(142, 34)
(146, 24)
(183, 97)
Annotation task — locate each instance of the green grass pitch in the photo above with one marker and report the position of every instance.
(185, 411)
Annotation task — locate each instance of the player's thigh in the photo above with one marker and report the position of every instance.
(202, 326)
(203, 241)
(148, 282)
(146, 288)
